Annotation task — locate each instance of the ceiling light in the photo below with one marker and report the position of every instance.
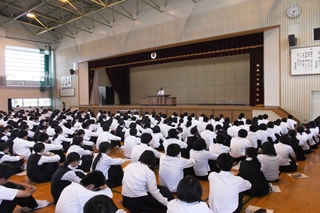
(30, 15)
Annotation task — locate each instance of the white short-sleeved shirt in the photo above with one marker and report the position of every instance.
(178, 206)
(74, 196)
(217, 148)
(138, 180)
(7, 193)
(284, 151)
(105, 162)
(171, 170)
(271, 166)
(202, 157)
(139, 149)
(169, 141)
(224, 191)
(238, 147)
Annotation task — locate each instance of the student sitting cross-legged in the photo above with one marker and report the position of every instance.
(139, 187)
(110, 167)
(171, 167)
(225, 188)
(42, 165)
(13, 193)
(189, 194)
(17, 161)
(65, 175)
(74, 196)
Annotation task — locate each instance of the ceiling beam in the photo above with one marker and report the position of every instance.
(29, 10)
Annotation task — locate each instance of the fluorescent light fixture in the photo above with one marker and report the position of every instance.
(30, 15)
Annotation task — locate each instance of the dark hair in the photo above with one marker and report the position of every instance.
(103, 147)
(270, 124)
(265, 116)
(268, 149)
(252, 153)
(106, 127)
(242, 133)
(77, 141)
(146, 138)
(3, 146)
(71, 157)
(6, 170)
(133, 131)
(300, 129)
(57, 130)
(225, 162)
(43, 137)
(209, 127)
(263, 126)
(253, 128)
(285, 139)
(189, 190)
(80, 132)
(148, 158)
(22, 134)
(156, 129)
(292, 133)
(100, 204)
(199, 144)
(173, 150)
(38, 147)
(194, 130)
(220, 139)
(96, 178)
(172, 133)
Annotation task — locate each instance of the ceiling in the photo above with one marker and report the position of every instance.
(54, 19)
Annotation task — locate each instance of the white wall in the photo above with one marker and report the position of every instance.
(185, 22)
(271, 67)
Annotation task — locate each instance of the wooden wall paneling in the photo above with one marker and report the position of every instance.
(206, 112)
(226, 113)
(247, 114)
(171, 111)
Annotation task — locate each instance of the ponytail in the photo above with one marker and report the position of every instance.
(71, 157)
(57, 130)
(103, 147)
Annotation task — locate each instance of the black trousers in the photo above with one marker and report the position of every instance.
(290, 168)
(147, 203)
(7, 206)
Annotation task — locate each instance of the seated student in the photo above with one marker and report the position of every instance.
(106, 136)
(42, 165)
(157, 139)
(271, 162)
(16, 161)
(87, 145)
(13, 193)
(189, 194)
(65, 175)
(59, 139)
(110, 167)
(101, 204)
(171, 167)
(218, 148)
(250, 169)
(85, 155)
(172, 138)
(202, 157)
(14, 135)
(191, 139)
(287, 156)
(74, 196)
(239, 145)
(130, 142)
(143, 146)
(254, 137)
(139, 187)
(21, 146)
(208, 135)
(294, 143)
(225, 188)
(54, 148)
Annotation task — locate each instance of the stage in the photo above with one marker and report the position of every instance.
(231, 111)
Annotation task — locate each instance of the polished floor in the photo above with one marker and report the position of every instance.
(297, 195)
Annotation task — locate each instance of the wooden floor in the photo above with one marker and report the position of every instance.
(297, 195)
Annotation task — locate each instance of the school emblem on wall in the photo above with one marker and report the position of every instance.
(153, 55)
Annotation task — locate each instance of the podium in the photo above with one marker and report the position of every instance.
(158, 100)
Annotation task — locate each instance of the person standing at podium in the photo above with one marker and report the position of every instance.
(161, 91)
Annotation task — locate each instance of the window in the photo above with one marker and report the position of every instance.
(33, 102)
(24, 63)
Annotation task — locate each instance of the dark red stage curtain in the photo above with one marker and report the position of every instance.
(120, 80)
(252, 44)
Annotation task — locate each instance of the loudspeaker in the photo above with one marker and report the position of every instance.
(72, 72)
(316, 34)
(292, 40)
